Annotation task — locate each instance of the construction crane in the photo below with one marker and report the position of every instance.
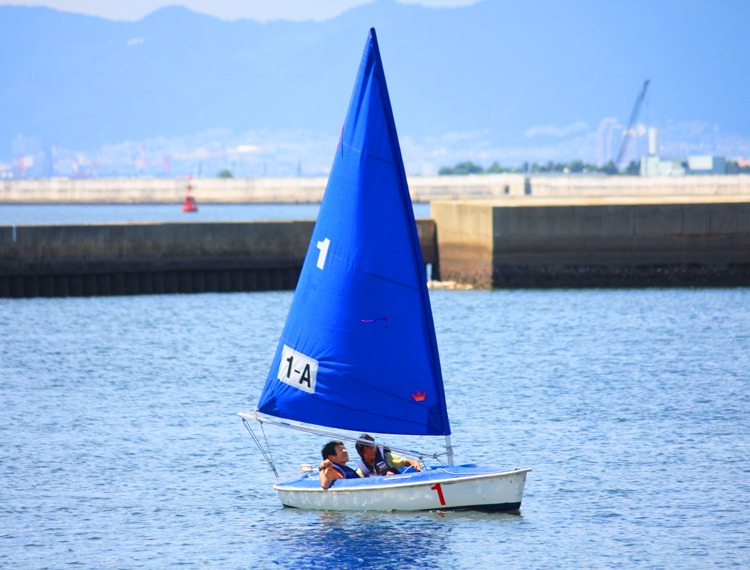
(633, 119)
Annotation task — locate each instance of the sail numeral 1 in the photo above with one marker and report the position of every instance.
(439, 490)
(323, 247)
(289, 372)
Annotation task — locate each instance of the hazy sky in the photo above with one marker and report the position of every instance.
(260, 10)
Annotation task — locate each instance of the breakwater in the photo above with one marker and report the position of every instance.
(596, 242)
(583, 242)
(146, 258)
(310, 190)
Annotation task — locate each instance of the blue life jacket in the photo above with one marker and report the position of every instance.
(347, 472)
(380, 465)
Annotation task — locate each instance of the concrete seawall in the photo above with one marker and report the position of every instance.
(596, 242)
(582, 242)
(144, 258)
(310, 190)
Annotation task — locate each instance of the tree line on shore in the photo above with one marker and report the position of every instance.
(576, 166)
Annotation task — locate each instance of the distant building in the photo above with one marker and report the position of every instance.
(608, 141)
(656, 165)
(681, 166)
(654, 141)
(662, 166)
(706, 164)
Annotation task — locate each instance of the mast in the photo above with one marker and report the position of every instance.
(449, 449)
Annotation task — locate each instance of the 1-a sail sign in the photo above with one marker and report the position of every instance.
(298, 370)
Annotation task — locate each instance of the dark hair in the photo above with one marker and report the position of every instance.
(361, 446)
(330, 448)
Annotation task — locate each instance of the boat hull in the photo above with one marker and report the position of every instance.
(462, 487)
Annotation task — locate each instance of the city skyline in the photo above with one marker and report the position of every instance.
(182, 92)
(295, 152)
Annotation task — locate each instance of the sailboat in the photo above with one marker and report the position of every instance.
(358, 351)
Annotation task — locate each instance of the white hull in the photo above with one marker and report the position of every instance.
(442, 488)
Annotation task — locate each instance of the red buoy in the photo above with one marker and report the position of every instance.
(189, 205)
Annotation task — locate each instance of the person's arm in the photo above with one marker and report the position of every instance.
(328, 474)
(398, 462)
(413, 463)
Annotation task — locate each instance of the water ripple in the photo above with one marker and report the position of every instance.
(120, 447)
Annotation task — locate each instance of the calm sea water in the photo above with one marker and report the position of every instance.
(107, 213)
(120, 447)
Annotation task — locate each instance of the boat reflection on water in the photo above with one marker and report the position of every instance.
(396, 540)
(331, 539)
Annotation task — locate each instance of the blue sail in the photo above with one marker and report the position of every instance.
(358, 351)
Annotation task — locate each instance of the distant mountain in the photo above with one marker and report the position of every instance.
(512, 70)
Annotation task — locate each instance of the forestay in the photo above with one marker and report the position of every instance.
(358, 351)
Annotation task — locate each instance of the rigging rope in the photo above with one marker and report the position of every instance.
(266, 456)
(269, 448)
